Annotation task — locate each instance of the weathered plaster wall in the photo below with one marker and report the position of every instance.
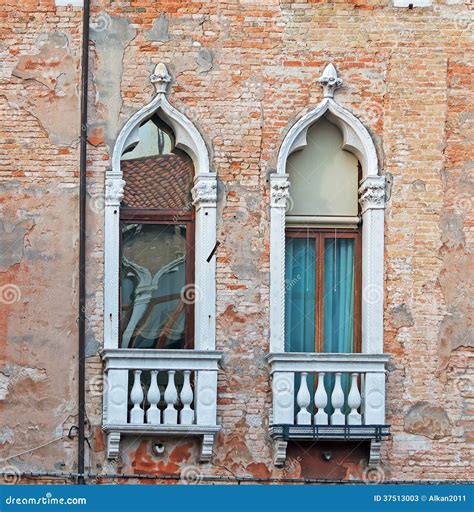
(243, 72)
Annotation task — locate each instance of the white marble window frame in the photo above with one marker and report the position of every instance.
(204, 192)
(358, 141)
(412, 3)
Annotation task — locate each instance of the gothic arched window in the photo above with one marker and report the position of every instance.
(157, 242)
(326, 280)
(323, 246)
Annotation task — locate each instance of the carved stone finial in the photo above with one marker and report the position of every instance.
(330, 81)
(160, 78)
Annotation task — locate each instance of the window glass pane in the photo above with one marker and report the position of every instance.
(323, 176)
(339, 295)
(153, 275)
(300, 281)
(154, 139)
(156, 174)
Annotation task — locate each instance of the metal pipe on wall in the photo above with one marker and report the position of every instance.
(82, 242)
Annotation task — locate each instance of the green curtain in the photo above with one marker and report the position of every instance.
(300, 282)
(339, 295)
(300, 292)
(338, 304)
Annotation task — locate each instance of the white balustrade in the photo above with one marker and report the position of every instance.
(162, 396)
(320, 401)
(136, 396)
(303, 399)
(161, 392)
(153, 414)
(350, 389)
(187, 414)
(173, 395)
(354, 402)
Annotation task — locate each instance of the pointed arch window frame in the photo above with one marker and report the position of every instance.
(358, 141)
(372, 360)
(204, 193)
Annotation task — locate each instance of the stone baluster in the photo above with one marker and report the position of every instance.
(353, 401)
(187, 414)
(303, 399)
(320, 401)
(170, 415)
(337, 400)
(153, 413)
(137, 414)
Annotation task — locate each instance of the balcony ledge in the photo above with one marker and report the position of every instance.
(169, 430)
(151, 359)
(201, 391)
(300, 413)
(328, 432)
(326, 362)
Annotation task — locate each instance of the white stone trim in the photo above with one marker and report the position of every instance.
(372, 361)
(279, 184)
(118, 365)
(413, 3)
(187, 138)
(356, 138)
(325, 362)
(74, 3)
(358, 141)
(146, 359)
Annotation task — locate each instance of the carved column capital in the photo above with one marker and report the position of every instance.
(279, 193)
(114, 190)
(204, 191)
(372, 193)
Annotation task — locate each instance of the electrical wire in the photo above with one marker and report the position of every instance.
(33, 449)
(218, 478)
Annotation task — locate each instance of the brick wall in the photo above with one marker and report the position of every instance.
(243, 72)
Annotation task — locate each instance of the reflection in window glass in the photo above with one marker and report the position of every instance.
(154, 138)
(153, 276)
(156, 174)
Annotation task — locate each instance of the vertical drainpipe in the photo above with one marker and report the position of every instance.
(82, 241)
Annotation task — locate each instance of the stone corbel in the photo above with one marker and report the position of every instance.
(207, 447)
(113, 445)
(374, 456)
(372, 193)
(279, 452)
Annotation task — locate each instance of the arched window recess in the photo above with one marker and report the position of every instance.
(326, 276)
(159, 283)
